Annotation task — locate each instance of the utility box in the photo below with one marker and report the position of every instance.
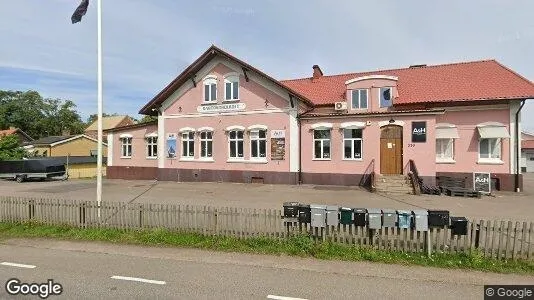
(438, 218)
(389, 218)
(332, 215)
(420, 220)
(459, 225)
(404, 218)
(318, 215)
(291, 209)
(360, 217)
(304, 213)
(346, 217)
(374, 218)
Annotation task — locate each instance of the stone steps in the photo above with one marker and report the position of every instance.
(393, 184)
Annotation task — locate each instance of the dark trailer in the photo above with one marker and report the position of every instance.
(22, 170)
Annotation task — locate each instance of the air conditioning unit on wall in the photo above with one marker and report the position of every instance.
(341, 106)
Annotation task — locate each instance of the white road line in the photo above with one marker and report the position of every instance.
(138, 279)
(5, 263)
(283, 298)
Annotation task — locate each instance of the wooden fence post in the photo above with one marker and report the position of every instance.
(140, 216)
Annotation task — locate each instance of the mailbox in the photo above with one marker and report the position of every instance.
(389, 218)
(420, 220)
(458, 225)
(438, 218)
(359, 217)
(345, 216)
(291, 209)
(332, 215)
(318, 215)
(374, 218)
(304, 213)
(404, 218)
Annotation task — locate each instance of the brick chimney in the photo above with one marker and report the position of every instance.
(317, 73)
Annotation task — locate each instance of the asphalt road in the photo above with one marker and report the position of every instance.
(90, 271)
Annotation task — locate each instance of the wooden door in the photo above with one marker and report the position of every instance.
(391, 150)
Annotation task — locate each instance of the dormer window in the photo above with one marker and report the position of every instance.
(231, 87)
(385, 96)
(210, 89)
(359, 99)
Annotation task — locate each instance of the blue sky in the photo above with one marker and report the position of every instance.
(147, 43)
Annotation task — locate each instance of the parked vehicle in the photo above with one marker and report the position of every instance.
(26, 169)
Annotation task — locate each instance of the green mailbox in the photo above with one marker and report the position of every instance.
(346, 216)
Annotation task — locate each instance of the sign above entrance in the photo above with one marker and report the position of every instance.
(221, 108)
(419, 132)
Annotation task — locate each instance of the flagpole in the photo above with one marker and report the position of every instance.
(100, 100)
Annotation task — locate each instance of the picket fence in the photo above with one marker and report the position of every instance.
(491, 238)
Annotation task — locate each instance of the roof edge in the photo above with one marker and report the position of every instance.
(133, 126)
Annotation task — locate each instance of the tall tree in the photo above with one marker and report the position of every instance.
(10, 148)
(147, 119)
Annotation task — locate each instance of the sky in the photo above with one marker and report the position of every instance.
(147, 43)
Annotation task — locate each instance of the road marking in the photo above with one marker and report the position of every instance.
(5, 263)
(283, 298)
(138, 279)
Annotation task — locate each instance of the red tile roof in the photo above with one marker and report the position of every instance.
(467, 81)
(529, 144)
(7, 132)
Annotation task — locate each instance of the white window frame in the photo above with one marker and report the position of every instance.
(209, 81)
(359, 91)
(231, 79)
(204, 143)
(125, 142)
(380, 96)
(186, 143)
(441, 154)
(151, 147)
(259, 140)
(353, 142)
(322, 144)
(237, 140)
(490, 159)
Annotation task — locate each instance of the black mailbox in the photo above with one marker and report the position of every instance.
(438, 218)
(291, 209)
(359, 216)
(304, 213)
(458, 225)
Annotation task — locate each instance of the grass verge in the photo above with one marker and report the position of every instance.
(298, 246)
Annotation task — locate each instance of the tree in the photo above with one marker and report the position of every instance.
(147, 119)
(10, 148)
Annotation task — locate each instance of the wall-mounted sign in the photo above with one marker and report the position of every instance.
(276, 134)
(419, 132)
(221, 108)
(171, 145)
(278, 148)
(482, 182)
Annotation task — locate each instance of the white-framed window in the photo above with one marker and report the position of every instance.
(188, 144)
(152, 146)
(490, 148)
(210, 89)
(126, 147)
(321, 143)
(231, 87)
(206, 144)
(235, 144)
(352, 144)
(444, 149)
(258, 144)
(359, 99)
(385, 96)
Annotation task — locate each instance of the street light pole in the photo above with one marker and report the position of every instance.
(100, 100)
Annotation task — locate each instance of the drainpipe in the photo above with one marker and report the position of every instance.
(517, 146)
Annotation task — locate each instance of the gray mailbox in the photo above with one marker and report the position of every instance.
(389, 218)
(374, 218)
(332, 215)
(420, 220)
(318, 215)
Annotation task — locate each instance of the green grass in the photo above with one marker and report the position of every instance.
(298, 246)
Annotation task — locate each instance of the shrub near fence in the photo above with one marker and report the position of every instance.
(493, 239)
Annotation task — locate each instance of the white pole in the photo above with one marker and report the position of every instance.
(100, 100)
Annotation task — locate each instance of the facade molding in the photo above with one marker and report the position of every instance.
(110, 149)
(369, 77)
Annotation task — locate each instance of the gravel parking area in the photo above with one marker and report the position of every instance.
(504, 205)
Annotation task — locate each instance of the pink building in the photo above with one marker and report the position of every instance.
(222, 120)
